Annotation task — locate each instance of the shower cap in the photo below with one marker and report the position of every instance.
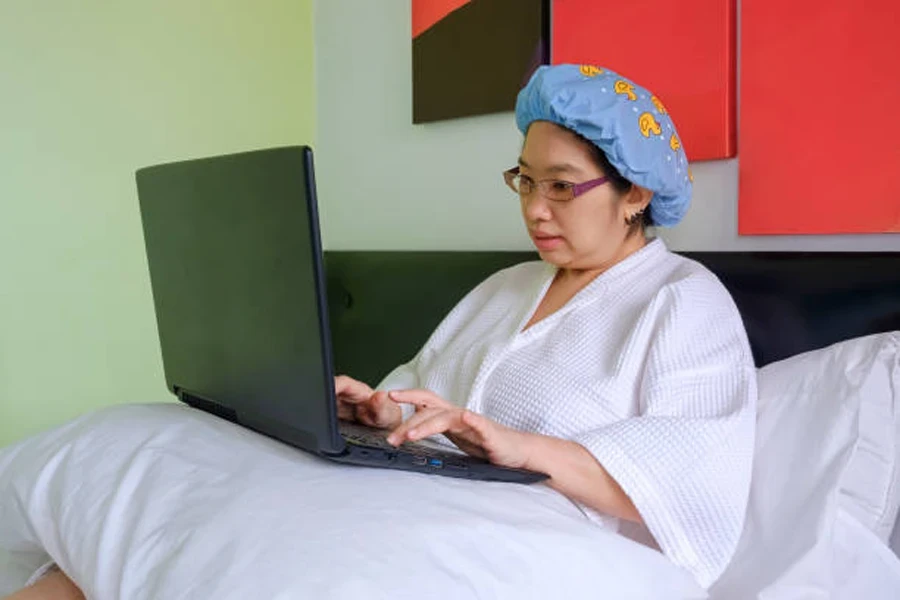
(627, 122)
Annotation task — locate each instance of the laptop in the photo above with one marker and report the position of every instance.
(237, 274)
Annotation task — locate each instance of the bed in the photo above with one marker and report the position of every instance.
(156, 500)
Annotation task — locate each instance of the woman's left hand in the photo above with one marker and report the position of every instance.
(473, 433)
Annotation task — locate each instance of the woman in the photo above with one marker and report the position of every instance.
(619, 369)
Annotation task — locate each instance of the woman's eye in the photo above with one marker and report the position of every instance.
(560, 186)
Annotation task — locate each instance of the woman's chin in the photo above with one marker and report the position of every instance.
(556, 257)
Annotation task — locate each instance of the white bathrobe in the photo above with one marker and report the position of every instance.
(648, 367)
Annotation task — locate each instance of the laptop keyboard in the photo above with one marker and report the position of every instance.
(376, 438)
(369, 446)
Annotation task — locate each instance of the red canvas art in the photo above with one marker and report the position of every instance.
(820, 142)
(684, 52)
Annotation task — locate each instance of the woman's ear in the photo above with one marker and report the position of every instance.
(636, 201)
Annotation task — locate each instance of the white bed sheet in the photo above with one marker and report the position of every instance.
(161, 501)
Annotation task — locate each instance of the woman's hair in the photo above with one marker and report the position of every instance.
(616, 180)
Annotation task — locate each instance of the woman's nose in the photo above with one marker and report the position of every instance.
(534, 206)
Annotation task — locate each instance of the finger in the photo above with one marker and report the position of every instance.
(479, 424)
(345, 412)
(350, 398)
(344, 385)
(467, 446)
(476, 435)
(399, 434)
(386, 412)
(445, 421)
(366, 414)
(380, 400)
(419, 398)
(474, 432)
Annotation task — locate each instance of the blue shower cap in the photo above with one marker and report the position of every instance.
(627, 122)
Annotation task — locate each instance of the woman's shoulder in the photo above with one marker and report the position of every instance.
(695, 305)
(691, 280)
(679, 290)
(696, 301)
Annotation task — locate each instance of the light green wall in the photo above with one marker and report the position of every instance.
(90, 91)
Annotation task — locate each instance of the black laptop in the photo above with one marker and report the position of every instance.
(238, 285)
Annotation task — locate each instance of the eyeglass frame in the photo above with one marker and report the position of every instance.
(577, 188)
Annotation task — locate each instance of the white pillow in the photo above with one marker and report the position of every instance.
(863, 567)
(870, 487)
(894, 542)
(864, 370)
(826, 439)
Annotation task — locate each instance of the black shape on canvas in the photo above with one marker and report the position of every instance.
(476, 59)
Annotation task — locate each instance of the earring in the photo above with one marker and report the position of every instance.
(634, 218)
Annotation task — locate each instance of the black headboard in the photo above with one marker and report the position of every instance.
(383, 305)
(792, 302)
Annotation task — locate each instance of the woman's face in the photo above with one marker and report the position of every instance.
(588, 232)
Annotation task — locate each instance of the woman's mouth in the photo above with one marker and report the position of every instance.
(546, 242)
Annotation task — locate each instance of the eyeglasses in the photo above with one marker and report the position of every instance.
(552, 189)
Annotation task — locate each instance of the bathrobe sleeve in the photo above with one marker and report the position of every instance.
(685, 460)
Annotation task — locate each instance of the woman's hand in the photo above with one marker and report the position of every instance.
(356, 401)
(471, 432)
(572, 469)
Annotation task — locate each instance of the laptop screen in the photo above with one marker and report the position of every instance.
(238, 285)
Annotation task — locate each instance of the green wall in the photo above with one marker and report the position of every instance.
(89, 92)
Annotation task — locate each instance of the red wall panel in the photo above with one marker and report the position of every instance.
(683, 51)
(820, 134)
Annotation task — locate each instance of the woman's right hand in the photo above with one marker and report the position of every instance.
(356, 401)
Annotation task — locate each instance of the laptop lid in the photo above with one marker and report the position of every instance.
(237, 275)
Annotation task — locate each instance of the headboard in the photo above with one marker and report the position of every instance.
(384, 305)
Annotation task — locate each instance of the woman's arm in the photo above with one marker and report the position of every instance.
(575, 473)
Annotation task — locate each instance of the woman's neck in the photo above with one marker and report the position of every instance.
(585, 274)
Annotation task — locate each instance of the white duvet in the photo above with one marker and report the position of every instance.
(161, 501)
